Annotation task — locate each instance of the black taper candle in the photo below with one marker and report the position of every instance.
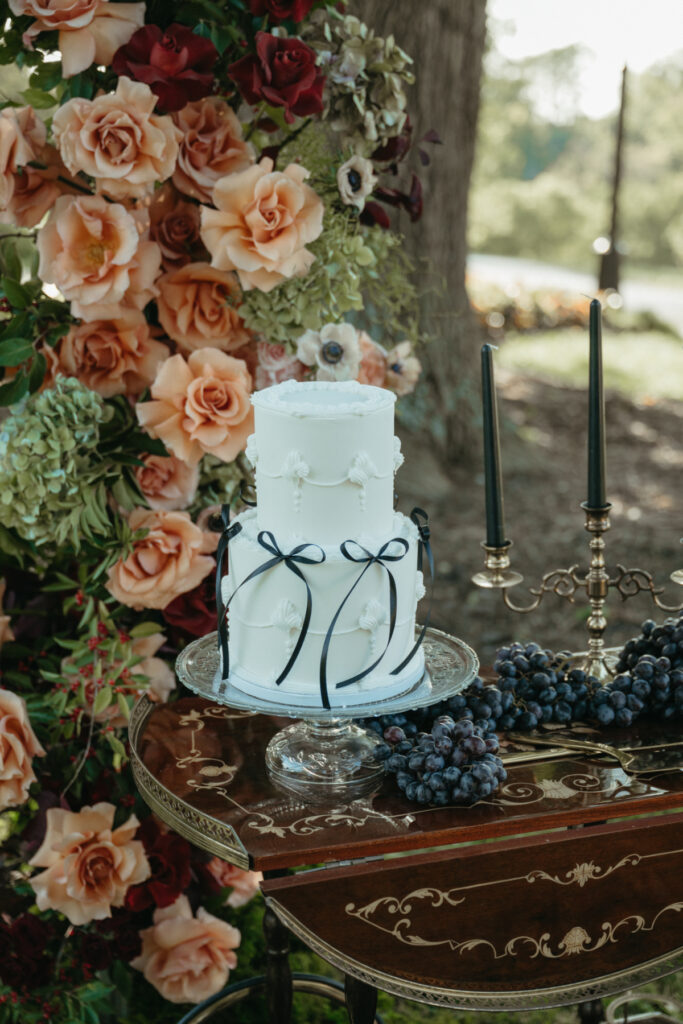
(596, 413)
(495, 521)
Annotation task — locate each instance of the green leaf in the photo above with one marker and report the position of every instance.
(46, 76)
(18, 294)
(14, 351)
(38, 99)
(123, 705)
(36, 374)
(144, 629)
(102, 700)
(14, 390)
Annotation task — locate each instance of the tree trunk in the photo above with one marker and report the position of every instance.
(446, 40)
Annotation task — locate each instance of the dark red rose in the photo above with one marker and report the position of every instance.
(169, 861)
(122, 931)
(281, 10)
(283, 73)
(372, 213)
(23, 963)
(176, 64)
(96, 952)
(194, 612)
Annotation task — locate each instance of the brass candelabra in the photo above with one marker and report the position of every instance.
(598, 660)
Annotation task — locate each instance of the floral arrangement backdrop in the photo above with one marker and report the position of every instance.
(195, 202)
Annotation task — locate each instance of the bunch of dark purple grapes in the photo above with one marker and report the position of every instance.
(650, 680)
(455, 762)
(538, 687)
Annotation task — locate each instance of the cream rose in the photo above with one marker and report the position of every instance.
(244, 884)
(167, 482)
(89, 867)
(198, 307)
(91, 250)
(186, 958)
(201, 405)
(90, 31)
(174, 226)
(113, 357)
(18, 746)
(22, 138)
(172, 558)
(118, 140)
(264, 220)
(211, 147)
(275, 364)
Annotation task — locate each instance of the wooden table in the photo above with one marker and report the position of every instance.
(571, 898)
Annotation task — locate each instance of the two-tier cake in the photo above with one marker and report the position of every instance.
(323, 578)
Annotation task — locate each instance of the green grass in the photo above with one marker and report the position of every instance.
(647, 366)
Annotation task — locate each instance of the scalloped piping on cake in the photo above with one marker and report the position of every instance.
(275, 398)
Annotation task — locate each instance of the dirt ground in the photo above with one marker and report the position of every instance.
(543, 428)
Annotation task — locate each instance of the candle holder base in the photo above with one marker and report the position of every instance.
(601, 665)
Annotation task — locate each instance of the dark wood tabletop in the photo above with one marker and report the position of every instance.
(201, 767)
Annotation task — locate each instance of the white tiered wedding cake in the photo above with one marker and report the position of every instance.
(323, 580)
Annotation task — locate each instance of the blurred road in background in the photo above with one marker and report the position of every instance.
(665, 301)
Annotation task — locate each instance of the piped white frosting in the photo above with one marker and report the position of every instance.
(321, 398)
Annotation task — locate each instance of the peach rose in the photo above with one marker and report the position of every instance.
(403, 369)
(201, 405)
(91, 250)
(6, 633)
(174, 226)
(170, 560)
(89, 867)
(263, 222)
(113, 357)
(90, 31)
(18, 747)
(373, 361)
(186, 958)
(244, 884)
(36, 190)
(211, 147)
(275, 364)
(167, 482)
(198, 308)
(22, 137)
(118, 140)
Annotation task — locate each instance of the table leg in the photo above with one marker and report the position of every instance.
(361, 1000)
(591, 1012)
(278, 971)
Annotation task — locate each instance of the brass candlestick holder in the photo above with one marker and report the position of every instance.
(598, 660)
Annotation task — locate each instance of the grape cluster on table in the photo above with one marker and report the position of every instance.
(447, 753)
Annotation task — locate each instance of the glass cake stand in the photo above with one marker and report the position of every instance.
(324, 755)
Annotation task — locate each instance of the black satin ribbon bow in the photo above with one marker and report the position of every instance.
(292, 559)
(381, 558)
(421, 520)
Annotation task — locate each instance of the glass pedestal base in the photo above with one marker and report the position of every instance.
(324, 760)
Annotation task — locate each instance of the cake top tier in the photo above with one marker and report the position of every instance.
(321, 398)
(325, 457)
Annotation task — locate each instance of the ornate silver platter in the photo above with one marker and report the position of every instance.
(451, 667)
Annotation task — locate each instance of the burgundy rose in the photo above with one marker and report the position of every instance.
(176, 64)
(23, 963)
(122, 931)
(194, 612)
(283, 73)
(281, 10)
(169, 860)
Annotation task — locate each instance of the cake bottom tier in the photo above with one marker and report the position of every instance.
(350, 617)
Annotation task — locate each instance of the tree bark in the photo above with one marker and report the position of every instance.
(446, 39)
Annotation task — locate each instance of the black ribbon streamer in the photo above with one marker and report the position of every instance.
(381, 558)
(421, 520)
(292, 560)
(229, 531)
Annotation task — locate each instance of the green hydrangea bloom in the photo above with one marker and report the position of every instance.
(365, 79)
(332, 286)
(52, 479)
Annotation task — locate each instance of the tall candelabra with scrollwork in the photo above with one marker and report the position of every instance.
(597, 582)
